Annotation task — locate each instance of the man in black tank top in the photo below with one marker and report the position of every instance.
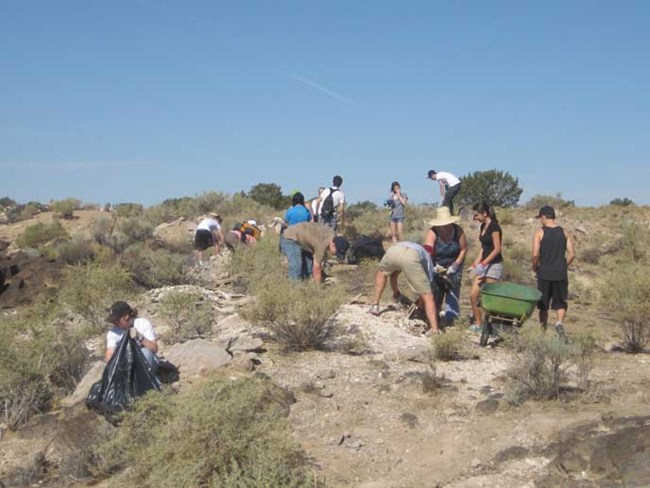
(553, 252)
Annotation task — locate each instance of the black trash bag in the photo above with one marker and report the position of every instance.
(125, 378)
(365, 247)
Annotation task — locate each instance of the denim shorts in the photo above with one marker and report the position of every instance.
(397, 220)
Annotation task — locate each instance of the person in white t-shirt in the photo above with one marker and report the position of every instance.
(125, 320)
(338, 198)
(208, 233)
(314, 204)
(449, 187)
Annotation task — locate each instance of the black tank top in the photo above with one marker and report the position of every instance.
(552, 255)
(487, 241)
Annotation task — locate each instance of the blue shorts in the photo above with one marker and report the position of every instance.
(397, 220)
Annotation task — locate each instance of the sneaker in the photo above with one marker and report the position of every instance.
(374, 310)
(559, 330)
(475, 328)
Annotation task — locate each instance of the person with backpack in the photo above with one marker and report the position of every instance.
(414, 262)
(396, 202)
(332, 205)
(305, 246)
(242, 234)
(449, 186)
(447, 245)
(124, 318)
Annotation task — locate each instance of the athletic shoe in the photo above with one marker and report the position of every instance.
(374, 310)
(475, 328)
(559, 330)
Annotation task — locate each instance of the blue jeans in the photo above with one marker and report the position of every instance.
(300, 262)
(451, 298)
(151, 358)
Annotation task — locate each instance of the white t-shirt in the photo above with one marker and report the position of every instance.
(208, 224)
(141, 325)
(447, 178)
(338, 198)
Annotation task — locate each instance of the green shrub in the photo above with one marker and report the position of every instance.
(128, 210)
(38, 234)
(222, 433)
(28, 211)
(65, 208)
(621, 202)
(542, 362)
(557, 202)
(41, 359)
(269, 194)
(498, 188)
(90, 289)
(624, 294)
(154, 268)
(298, 314)
(447, 346)
(77, 250)
(135, 229)
(188, 315)
(253, 265)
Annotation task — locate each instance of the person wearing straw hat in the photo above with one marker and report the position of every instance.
(447, 245)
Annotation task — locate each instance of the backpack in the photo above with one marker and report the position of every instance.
(327, 210)
(250, 229)
(365, 248)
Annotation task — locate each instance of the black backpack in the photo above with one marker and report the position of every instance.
(365, 247)
(327, 209)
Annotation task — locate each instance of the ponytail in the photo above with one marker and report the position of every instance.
(486, 208)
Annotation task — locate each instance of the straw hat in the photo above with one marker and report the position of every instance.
(443, 217)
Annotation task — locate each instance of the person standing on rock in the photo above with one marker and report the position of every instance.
(305, 246)
(208, 233)
(414, 261)
(552, 254)
(396, 201)
(124, 318)
(449, 186)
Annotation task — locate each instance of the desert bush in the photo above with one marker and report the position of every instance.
(590, 255)
(516, 272)
(102, 229)
(624, 293)
(541, 363)
(556, 201)
(127, 210)
(41, 359)
(357, 209)
(89, 290)
(621, 202)
(153, 268)
(585, 346)
(447, 346)
(77, 250)
(28, 211)
(253, 265)
(38, 234)
(498, 188)
(135, 229)
(226, 433)
(298, 314)
(269, 194)
(188, 315)
(634, 241)
(64, 209)
(518, 252)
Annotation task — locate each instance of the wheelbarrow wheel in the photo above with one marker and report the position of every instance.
(486, 331)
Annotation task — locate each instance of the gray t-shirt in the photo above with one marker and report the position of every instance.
(398, 209)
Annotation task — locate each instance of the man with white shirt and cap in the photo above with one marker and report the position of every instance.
(449, 187)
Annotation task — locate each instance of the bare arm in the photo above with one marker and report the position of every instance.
(342, 212)
(317, 272)
(442, 188)
(571, 253)
(462, 242)
(537, 241)
(109, 354)
(430, 241)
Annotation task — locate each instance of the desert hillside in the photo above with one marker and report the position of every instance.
(284, 384)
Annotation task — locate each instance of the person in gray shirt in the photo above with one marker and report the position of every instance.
(396, 202)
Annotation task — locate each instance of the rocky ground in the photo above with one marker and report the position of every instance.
(374, 411)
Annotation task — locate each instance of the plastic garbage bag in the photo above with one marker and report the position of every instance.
(365, 247)
(125, 378)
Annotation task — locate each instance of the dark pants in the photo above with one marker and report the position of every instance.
(450, 193)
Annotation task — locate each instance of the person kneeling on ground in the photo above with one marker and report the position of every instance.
(124, 318)
(305, 246)
(208, 233)
(415, 262)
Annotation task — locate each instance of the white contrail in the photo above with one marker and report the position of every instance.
(340, 98)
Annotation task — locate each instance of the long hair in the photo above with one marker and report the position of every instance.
(486, 208)
(393, 185)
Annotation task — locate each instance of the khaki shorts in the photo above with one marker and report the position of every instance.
(406, 260)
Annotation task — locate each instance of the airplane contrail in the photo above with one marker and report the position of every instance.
(340, 98)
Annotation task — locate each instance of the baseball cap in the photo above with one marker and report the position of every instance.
(342, 245)
(431, 173)
(546, 211)
(117, 311)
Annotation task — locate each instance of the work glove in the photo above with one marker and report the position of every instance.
(135, 334)
(480, 270)
(453, 268)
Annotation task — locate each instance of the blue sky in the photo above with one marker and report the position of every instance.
(145, 100)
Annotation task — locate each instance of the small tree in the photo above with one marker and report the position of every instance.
(622, 202)
(499, 188)
(269, 194)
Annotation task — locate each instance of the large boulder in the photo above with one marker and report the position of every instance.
(197, 357)
(93, 375)
(176, 235)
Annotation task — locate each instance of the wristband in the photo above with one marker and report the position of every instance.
(428, 249)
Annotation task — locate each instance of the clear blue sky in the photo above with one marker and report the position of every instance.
(144, 100)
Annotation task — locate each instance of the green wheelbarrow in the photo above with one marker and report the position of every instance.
(506, 304)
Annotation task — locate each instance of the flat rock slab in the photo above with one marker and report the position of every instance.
(197, 357)
(93, 375)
